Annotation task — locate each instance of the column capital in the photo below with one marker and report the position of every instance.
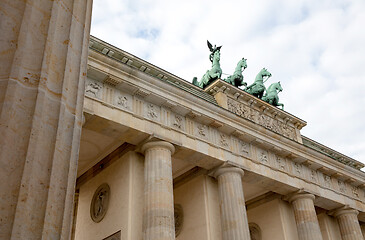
(161, 144)
(300, 195)
(224, 170)
(344, 210)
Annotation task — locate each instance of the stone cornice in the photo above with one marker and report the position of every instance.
(332, 153)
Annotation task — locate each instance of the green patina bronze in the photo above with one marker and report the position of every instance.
(237, 78)
(258, 88)
(271, 95)
(215, 72)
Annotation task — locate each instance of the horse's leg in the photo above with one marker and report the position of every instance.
(281, 105)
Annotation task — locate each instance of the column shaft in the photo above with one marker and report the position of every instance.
(42, 74)
(158, 212)
(306, 217)
(232, 204)
(349, 224)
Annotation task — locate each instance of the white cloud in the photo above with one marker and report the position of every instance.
(315, 48)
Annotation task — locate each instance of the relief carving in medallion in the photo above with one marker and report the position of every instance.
(100, 202)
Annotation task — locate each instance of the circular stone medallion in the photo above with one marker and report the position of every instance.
(100, 202)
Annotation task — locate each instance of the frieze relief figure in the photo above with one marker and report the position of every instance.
(263, 156)
(223, 140)
(151, 112)
(202, 130)
(122, 101)
(355, 191)
(341, 186)
(93, 88)
(281, 163)
(298, 168)
(178, 122)
(244, 147)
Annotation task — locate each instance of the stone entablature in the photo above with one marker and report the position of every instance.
(196, 126)
(111, 86)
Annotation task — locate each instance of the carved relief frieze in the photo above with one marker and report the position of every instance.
(355, 191)
(314, 176)
(244, 148)
(152, 111)
(93, 88)
(263, 156)
(123, 100)
(327, 180)
(223, 140)
(297, 168)
(262, 119)
(281, 163)
(177, 122)
(202, 130)
(341, 186)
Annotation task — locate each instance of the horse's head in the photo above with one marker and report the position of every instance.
(265, 73)
(277, 86)
(243, 63)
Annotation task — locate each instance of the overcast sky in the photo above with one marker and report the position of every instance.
(314, 48)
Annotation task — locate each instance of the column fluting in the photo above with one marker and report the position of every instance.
(158, 212)
(43, 60)
(232, 204)
(305, 216)
(348, 223)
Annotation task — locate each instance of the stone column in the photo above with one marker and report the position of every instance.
(305, 216)
(348, 223)
(158, 212)
(232, 204)
(43, 59)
